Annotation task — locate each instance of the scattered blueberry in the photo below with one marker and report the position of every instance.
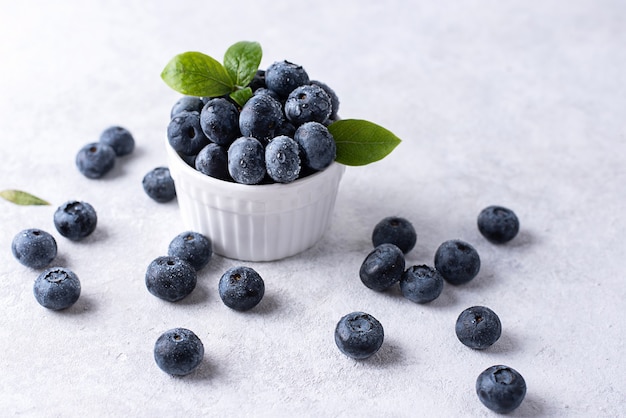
(187, 104)
(246, 160)
(359, 335)
(170, 278)
(178, 351)
(75, 220)
(219, 121)
(395, 230)
(212, 160)
(185, 134)
(498, 224)
(308, 103)
(241, 288)
(316, 144)
(282, 159)
(501, 388)
(457, 261)
(261, 117)
(159, 185)
(478, 327)
(57, 288)
(120, 139)
(383, 267)
(192, 247)
(334, 99)
(34, 248)
(421, 284)
(284, 76)
(96, 159)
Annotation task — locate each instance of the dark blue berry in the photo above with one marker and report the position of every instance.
(187, 104)
(184, 133)
(75, 220)
(334, 99)
(498, 224)
(382, 267)
(395, 230)
(282, 159)
(120, 139)
(501, 388)
(241, 288)
(246, 161)
(284, 76)
(258, 81)
(457, 261)
(219, 121)
(478, 327)
(308, 103)
(212, 160)
(316, 144)
(421, 284)
(159, 185)
(264, 90)
(170, 278)
(192, 247)
(178, 351)
(57, 288)
(261, 117)
(34, 248)
(96, 159)
(359, 335)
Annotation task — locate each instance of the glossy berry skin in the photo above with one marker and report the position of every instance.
(457, 261)
(317, 145)
(57, 288)
(178, 351)
(185, 134)
(219, 121)
(75, 220)
(241, 288)
(359, 335)
(187, 104)
(501, 388)
(395, 230)
(282, 159)
(170, 278)
(308, 103)
(261, 117)
(334, 99)
(421, 284)
(478, 327)
(246, 160)
(498, 224)
(96, 159)
(383, 267)
(34, 248)
(119, 138)
(159, 185)
(283, 77)
(192, 247)
(212, 160)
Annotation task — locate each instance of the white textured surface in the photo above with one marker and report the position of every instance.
(498, 102)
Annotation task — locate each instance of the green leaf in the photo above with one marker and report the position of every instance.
(242, 61)
(241, 96)
(360, 142)
(22, 198)
(197, 74)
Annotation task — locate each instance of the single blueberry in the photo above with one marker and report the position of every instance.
(246, 160)
(241, 288)
(359, 335)
(501, 388)
(382, 267)
(178, 351)
(120, 139)
(185, 134)
(170, 278)
(258, 81)
(395, 230)
(284, 76)
(57, 288)
(334, 99)
(316, 144)
(212, 160)
(75, 220)
(96, 159)
(219, 121)
(498, 224)
(478, 327)
(34, 248)
(261, 117)
(265, 90)
(421, 284)
(282, 159)
(187, 104)
(457, 261)
(192, 247)
(308, 103)
(159, 185)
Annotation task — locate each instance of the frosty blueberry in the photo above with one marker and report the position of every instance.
(185, 134)
(192, 247)
(501, 388)
(246, 161)
(498, 224)
(219, 121)
(308, 103)
(421, 284)
(120, 139)
(187, 104)
(96, 159)
(261, 117)
(284, 76)
(282, 159)
(334, 99)
(478, 327)
(241, 288)
(75, 220)
(395, 230)
(159, 185)
(178, 351)
(316, 144)
(170, 278)
(457, 261)
(34, 248)
(382, 267)
(359, 335)
(212, 160)
(57, 288)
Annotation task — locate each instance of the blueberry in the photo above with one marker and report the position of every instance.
(284, 76)
(282, 159)
(316, 144)
(308, 103)
(501, 388)
(421, 284)
(246, 160)
(170, 278)
(212, 160)
(395, 230)
(178, 351)
(498, 224)
(219, 121)
(359, 335)
(258, 81)
(57, 288)
(383, 267)
(261, 117)
(457, 261)
(96, 159)
(185, 134)
(120, 139)
(192, 247)
(187, 104)
(159, 185)
(478, 327)
(241, 288)
(34, 248)
(334, 99)
(265, 90)
(75, 220)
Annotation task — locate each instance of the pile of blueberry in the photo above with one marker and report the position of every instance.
(279, 135)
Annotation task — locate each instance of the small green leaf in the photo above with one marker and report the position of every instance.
(241, 96)
(242, 61)
(197, 74)
(360, 142)
(22, 198)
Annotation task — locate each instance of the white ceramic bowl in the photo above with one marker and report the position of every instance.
(256, 222)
